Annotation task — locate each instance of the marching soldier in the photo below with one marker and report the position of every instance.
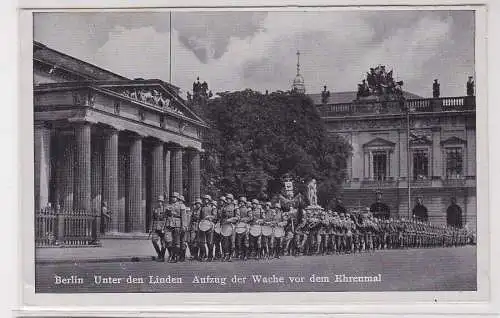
(242, 239)
(278, 221)
(290, 243)
(302, 233)
(158, 230)
(193, 228)
(266, 241)
(229, 215)
(175, 211)
(216, 252)
(184, 234)
(206, 238)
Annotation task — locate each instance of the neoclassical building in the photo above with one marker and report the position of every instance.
(441, 144)
(101, 137)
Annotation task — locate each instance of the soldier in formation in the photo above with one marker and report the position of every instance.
(244, 229)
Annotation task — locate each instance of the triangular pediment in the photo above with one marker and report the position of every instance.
(153, 93)
(379, 142)
(453, 141)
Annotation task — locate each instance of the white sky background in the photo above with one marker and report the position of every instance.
(238, 50)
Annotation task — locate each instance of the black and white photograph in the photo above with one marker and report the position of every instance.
(247, 151)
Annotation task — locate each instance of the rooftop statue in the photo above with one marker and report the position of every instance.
(380, 83)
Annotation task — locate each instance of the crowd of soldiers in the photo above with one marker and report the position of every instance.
(240, 228)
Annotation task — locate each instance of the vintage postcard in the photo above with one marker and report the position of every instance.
(247, 151)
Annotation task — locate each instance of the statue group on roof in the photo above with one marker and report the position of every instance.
(379, 82)
(200, 92)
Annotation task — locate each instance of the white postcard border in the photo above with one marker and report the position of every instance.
(244, 302)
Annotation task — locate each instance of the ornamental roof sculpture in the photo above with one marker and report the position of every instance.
(380, 84)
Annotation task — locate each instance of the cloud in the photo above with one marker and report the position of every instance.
(238, 50)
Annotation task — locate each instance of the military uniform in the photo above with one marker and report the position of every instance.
(158, 230)
(290, 244)
(266, 241)
(229, 214)
(204, 240)
(175, 214)
(242, 239)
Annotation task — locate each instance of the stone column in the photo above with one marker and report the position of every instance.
(371, 169)
(437, 161)
(176, 169)
(82, 167)
(110, 177)
(96, 175)
(193, 176)
(65, 177)
(137, 218)
(157, 175)
(42, 166)
(166, 174)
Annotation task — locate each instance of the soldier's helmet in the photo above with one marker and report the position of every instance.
(277, 205)
(214, 202)
(176, 195)
(207, 197)
(223, 198)
(181, 197)
(249, 204)
(229, 196)
(255, 201)
(243, 199)
(268, 204)
(161, 198)
(197, 201)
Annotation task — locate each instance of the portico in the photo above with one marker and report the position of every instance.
(121, 142)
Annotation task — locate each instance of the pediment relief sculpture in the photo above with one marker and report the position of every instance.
(152, 97)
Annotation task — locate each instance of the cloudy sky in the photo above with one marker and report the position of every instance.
(257, 50)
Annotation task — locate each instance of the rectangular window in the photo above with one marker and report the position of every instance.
(454, 163)
(420, 164)
(379, 165)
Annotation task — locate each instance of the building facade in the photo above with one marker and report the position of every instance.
(103, 139)
(437, 160)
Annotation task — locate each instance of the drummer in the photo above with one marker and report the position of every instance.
(254, 242)
(204, 239)
(242, 243)
(229, 215)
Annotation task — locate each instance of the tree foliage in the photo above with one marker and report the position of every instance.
(257, 139)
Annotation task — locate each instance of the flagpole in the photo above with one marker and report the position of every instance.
(170, 48)
(408, 157)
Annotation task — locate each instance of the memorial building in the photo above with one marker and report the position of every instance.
(101, 139)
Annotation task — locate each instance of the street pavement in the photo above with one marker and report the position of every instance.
(436, 269)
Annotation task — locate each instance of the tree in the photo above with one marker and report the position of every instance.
(257, 139)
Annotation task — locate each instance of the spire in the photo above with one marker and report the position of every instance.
(298, 63)
(298, 85)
